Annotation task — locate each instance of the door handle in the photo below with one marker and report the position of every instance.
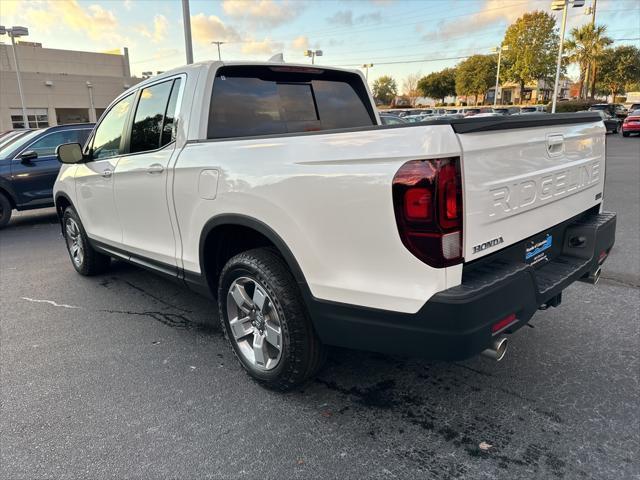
(155, 168)
(107, 173)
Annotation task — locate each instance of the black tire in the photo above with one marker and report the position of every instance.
(625, 134)
(302, 353)
(5, 210)
(92, 262)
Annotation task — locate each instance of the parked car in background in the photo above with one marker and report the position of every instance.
(613, 109)
(11, 136)
(611, 123)
(533, 109)
(631, 124)
(388, 119)
(634, 107)
(506, 110)
(29, 167)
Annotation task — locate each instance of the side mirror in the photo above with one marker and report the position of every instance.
(26, 157)
(69, 153)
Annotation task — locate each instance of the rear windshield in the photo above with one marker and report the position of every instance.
(249, 101)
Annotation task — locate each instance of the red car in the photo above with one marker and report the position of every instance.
(631, 124)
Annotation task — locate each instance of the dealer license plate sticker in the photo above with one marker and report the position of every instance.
(537, 251)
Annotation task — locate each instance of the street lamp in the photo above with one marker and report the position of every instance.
(499, 49)
(563, 5)
(13, 33)
(366, 67)
(92, 105)
(313, 54)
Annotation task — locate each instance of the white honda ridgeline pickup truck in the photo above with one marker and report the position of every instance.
(274, 189)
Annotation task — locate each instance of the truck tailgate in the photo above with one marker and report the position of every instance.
(523, 176)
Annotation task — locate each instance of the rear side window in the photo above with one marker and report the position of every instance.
(154, 119)
(249, 101)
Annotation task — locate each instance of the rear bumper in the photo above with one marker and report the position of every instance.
(457, 323)
(631, 127)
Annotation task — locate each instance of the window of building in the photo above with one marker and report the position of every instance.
(37, 117)
(261, 101)
(106, 141)
(154, 119)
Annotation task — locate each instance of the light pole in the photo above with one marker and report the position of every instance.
(186, 19)
(218, 44)
(92, 106)
(366, 67)
(561, 5)
(499, 49)
(13, 33)
(313, 54)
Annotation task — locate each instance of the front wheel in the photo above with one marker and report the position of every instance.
(84, 258)
(625, 134)
(265, 320)
(5, 210)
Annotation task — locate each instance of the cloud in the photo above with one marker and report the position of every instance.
(347, 19)
(341, 17)
(205, 29)
(493, 12)
(265, 13)
(160, 27)
(266, 46)
(94, 21)
(300, 43)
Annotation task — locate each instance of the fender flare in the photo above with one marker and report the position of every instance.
(260, 227)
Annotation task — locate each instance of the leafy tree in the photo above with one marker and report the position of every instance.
(385, 89)
(584, 47)
(618, 68)
(475, 75)
(439, 84)
(410, 87)
(532, 42)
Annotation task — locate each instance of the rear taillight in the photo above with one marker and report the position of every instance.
(427, 199)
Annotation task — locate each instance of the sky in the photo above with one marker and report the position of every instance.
(399, 37)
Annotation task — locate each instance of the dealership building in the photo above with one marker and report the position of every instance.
(59, 86)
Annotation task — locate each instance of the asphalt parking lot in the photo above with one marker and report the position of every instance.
(128, 376)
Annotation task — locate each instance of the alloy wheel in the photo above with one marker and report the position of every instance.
(74, 242)
(254, 324)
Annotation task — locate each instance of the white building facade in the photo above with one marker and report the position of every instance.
(59, 86)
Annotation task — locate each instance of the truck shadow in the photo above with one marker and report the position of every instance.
(445, 419)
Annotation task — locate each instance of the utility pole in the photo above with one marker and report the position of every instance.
(366, 67)
(218, 45)
(186, 18)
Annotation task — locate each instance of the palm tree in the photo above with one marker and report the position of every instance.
(585, 47)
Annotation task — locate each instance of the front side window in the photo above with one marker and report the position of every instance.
(106, 141)
(152, 124)
(46, 146)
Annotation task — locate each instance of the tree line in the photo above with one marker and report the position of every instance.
(529, 55)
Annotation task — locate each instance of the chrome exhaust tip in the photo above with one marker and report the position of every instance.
(498, 349)
(592, 277)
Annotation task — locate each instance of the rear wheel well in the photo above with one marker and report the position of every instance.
(224, 242)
